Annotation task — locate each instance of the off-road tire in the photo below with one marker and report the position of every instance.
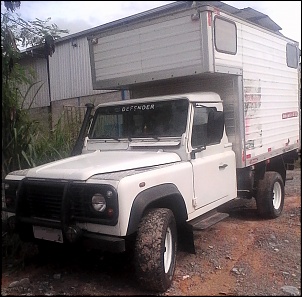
(270, 195)
(155, 249)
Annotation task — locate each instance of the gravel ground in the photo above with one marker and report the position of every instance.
(240, 256)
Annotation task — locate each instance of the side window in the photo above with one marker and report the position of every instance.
(291, 56)
(199, 129)
(225, 36)
(208, 126)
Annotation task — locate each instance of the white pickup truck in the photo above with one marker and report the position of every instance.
(154, 168)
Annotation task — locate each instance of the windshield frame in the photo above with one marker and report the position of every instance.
(170, 113)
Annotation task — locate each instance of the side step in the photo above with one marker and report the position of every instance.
(208, 220)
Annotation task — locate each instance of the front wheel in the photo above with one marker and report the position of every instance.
(270, 195)
(155, 250)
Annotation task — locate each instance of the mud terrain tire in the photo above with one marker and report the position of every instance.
(270, 195)
(155, 250)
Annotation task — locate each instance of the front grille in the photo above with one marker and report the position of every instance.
(79, 204)
(43, 200)
(67, 201)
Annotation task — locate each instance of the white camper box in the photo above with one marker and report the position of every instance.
(253, 69)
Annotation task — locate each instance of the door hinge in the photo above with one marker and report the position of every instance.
(194, 202)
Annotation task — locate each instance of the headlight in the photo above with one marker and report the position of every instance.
(98, 202)
(94, 203)
(10, 189)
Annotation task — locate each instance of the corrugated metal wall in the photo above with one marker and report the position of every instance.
(70, 74)
(39, 97)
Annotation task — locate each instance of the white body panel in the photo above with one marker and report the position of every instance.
(179, 174)
(148, 50)
(270, 91)
(168, 48)
(214, 177)
(128, 188)
(82, 167)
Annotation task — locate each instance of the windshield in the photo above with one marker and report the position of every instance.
(148, 119)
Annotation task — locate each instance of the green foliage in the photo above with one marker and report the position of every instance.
(17, 127)
(20, 133)
(57, 145)
(34, 32)
(29, 33)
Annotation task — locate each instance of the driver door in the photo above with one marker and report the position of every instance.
(214, 165)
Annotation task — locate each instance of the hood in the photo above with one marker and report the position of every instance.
(84, 166)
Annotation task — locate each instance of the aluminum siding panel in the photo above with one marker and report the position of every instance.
(41, 98)
(70, 73)
(165, 46)
(270, 91)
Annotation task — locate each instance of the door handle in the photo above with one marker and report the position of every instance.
(223, 166)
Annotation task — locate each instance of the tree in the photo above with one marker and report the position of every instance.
(17, 127)
(12, 5)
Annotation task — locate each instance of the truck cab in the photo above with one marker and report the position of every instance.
(189, 125)
(163, 158)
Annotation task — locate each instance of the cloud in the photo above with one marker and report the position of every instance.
(77, 16)
(81, 15)
(73, 26)
(286, 14)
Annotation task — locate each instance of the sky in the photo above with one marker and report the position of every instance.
(81, 15)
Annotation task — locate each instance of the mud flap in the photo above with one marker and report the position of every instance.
(186, 238)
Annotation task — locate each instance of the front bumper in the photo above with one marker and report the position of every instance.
(51, 210)
(71, 235)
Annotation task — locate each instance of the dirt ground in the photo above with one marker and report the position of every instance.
(242, 255)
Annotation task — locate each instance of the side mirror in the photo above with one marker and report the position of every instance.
(197, 150)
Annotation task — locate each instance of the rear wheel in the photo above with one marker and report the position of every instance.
(270, 195)
(155, 250)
